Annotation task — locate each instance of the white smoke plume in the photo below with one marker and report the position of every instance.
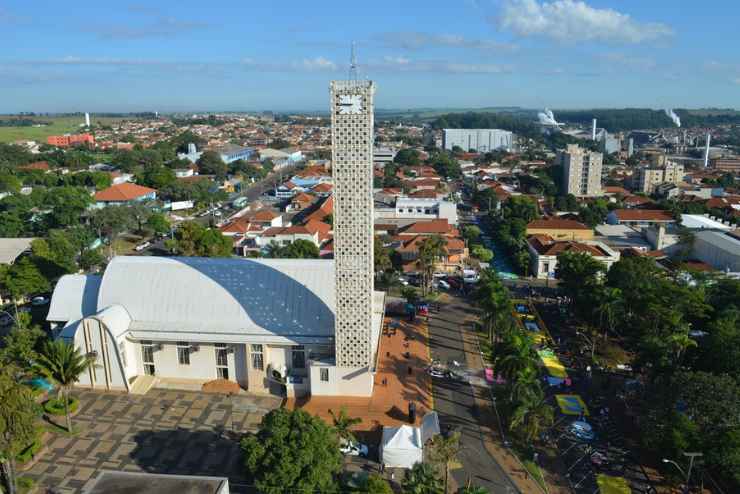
(672, 115)
(547, 118)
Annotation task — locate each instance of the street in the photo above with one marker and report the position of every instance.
(455, 402)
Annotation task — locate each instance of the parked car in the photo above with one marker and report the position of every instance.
(142, 246)
(40, 300)
(354, 449)
(443, 285)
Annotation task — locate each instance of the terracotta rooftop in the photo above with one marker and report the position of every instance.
(238, 226)
(557, 224)
(545, 245)
(323, 187)
(123, 192)
(643, 215)
(303, 197)
(264, 215)
(439, 226)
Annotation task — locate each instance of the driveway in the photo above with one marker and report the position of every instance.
(455, 402)
(164, 431)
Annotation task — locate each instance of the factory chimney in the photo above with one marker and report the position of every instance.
(706, 151)
(87, 119)
(593, 130)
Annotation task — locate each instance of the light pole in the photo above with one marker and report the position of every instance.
(687, 474)
(590, 342)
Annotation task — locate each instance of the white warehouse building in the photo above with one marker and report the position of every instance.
(481, 140)
(187, 321)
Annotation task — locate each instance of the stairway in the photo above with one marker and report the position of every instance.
(142, 384)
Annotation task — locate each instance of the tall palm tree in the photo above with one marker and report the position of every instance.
(532, 416)
(421, 479)
(343, 424)
(517, 357)
(62, 363)
(443, 451)
(525, 384)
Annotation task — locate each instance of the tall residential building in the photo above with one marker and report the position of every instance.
(581, 171)
(481, 140)
(352, 164)
(647, 178)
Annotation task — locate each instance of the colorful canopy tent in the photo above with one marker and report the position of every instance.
(571, 405)
(552, 364)
(612, 485)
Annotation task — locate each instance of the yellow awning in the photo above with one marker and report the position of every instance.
(571, 405)
(554, 367)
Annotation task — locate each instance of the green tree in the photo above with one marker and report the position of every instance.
(210, 163)
(372, 484)
(67, 205)
(194, 239)
(299, 249)
(23, 279)
(471, 489)
(471, 234)
(516, 356)
(292, 452)
(481, 253)
(431, 250)
(18, 416)
(156, 177)
(443, 451)
(407, 157)
(343, 424)
(421, 479)
(21, 343)
(63, 364)
(580, 276)
(158, 223)
(381, 256)
(532, 416)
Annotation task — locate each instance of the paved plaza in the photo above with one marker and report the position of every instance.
(164, 431)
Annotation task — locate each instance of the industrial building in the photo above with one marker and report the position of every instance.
(480, 140)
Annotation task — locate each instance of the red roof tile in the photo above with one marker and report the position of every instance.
(123, 192)
(557, 224)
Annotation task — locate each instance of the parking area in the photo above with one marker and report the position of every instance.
(164, 431)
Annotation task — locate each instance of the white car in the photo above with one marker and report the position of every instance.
(142, 246)
(39, 300)
(354, 449)
(443, 285)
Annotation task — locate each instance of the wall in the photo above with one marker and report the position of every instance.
(343, 381)
(107, 371)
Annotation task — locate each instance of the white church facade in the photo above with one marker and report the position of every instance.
(283, 326)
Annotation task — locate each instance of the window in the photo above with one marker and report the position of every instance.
(299, 357)
(257, 358)
(183, 352)
(147, 357)
(324, 375)
(222, 361)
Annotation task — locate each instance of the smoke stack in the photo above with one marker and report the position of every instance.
(706, 151)
(87, 119)
(593, 130)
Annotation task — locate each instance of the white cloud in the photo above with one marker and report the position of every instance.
(574, 20)
(318, 63)
(411, 40)
(402, 64)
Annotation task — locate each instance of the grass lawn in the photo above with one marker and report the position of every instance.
(59, 125)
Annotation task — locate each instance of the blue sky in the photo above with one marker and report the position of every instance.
(245, 55)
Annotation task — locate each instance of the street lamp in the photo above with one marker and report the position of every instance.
(691, 457)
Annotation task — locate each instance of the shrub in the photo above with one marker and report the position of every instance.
(55, 406)
(28, 453)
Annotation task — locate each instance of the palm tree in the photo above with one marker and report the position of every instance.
(517, 358)
(525, 384)
(532, 416)
(62, 363)
(343, 424)
(421, 479)
(273, 250)
(443, 451)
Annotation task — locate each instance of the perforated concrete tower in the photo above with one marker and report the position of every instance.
(352, 166)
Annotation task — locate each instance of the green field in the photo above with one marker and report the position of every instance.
(59, 125)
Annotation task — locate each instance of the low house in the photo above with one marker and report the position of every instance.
(640, 217)
(287, 235)
(560, 229)
(544, 251)
(125, 193)
(301, 201)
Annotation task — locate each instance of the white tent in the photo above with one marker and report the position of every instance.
(401, 446)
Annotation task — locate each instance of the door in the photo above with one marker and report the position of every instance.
(147, 357)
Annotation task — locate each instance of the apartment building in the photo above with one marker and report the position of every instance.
(581, 171)
(648, 178)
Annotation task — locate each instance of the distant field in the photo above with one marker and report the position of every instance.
(59, 125)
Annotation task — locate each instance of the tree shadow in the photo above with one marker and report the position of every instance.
(190, 452)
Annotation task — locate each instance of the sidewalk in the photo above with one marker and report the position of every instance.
(489, 426)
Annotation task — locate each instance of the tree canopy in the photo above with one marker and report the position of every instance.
(194, 239)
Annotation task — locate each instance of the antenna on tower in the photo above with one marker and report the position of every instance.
(353, 64)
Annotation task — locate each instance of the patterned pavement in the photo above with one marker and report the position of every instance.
(164, 431)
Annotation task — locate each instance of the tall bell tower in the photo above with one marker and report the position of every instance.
(352, 166)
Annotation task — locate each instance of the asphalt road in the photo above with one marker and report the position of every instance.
(455, 403)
